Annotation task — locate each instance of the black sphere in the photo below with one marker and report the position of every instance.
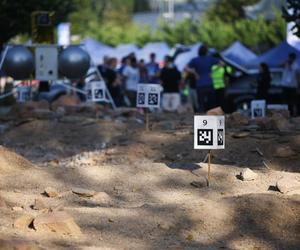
(18, 63)
(74, 62)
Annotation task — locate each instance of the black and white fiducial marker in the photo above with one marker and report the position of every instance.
(258, 108)
(23, 94)
(96, 91)
(148, 96)
(209, 133)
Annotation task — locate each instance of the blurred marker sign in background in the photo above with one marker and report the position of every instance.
(23, 94)
(96, 91)
(148, 96)
(209, 132)
(258, 108)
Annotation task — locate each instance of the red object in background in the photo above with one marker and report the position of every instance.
(30, 83)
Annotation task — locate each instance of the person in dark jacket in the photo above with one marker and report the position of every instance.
(201, 67)
(263, 82)
(170, 79)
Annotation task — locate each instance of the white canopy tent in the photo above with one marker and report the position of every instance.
(97, 50)
(125, 49)
(183, 59)
(161, 49)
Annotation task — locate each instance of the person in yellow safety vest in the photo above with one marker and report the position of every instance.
(218, 75)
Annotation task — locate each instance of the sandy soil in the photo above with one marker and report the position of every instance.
(145, 198)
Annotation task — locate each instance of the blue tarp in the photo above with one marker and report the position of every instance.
(239, 54)
(275, 57)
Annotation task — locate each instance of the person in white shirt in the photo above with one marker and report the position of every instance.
(289, 83)
(131, 76)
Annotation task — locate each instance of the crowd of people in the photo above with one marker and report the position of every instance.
(289, 83)
(202, 83)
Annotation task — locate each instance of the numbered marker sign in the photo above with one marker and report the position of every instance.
(209, 132)
(23, 94)
(96, 91)
(148, 96)
(258, 108)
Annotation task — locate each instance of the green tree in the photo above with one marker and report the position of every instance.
(219, 34)
(229, 10)
(93, 15)
(15, 15)
(292, 14)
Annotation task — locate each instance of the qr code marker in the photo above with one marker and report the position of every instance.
(98, 93)
(257, 112)
(153, 99)
(205, 137)
(220, 137)
(141, 98)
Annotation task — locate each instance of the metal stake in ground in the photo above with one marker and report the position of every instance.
(209, 133)
(147, 119)
(208, 168)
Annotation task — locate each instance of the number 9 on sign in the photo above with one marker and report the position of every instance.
(209, 132)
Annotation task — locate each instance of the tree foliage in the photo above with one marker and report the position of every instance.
(292, 14)
(15, 15)
(94, 16)
(110, 22)
(256, 34)
(229, 11)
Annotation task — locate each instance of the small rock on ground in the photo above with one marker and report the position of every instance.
(200, 183)
(83, 192)
(240, 135)
(287, 185)
(23, 222)
(103, 198)
(59, 222)
(51, 192)
(247, 175)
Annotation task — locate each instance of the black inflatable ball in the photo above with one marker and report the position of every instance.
(18, 63)
(74, 62)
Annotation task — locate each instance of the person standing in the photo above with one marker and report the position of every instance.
(218, 74)
(289, 82)
(191, 81)
(201, 67)
(131, 77)
(263, 82)
(170, 78)
(143, 72)
(153, 69)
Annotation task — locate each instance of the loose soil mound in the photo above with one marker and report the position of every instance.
(11, 161)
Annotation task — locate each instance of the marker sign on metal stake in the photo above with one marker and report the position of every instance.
(23, 94)
(96, 91)
(258, 108)
(209, 132)
(148, 96)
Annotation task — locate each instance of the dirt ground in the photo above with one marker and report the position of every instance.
(145, 198)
